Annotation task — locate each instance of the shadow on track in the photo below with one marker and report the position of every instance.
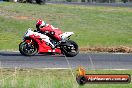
(18, 54)
(10, 54)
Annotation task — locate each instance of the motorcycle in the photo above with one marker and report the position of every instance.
(34, 42)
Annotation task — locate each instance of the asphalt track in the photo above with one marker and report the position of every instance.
(89, 61)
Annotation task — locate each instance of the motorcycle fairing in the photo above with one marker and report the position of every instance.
(66, 35)
(41, 40)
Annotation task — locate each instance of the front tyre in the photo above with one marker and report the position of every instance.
(27, 49)
(70, 49)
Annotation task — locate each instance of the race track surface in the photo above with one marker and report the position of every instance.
(89, 61)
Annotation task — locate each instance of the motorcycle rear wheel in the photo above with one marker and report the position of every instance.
(71, 49)
(27, 50)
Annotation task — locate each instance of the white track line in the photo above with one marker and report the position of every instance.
(114, 69)
(54, 68)
(62, 68)
(92, 64)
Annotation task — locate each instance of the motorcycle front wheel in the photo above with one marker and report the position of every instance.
(27, 49)
(70, 49)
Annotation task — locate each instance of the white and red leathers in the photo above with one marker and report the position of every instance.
(55, 32)
(49, 29)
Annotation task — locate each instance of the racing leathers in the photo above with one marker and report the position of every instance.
(52, 32)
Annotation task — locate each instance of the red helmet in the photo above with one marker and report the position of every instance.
(40, 24)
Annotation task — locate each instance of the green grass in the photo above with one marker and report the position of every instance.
(42, 78)
(93, 25)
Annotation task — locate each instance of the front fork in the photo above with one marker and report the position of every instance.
(28, 41)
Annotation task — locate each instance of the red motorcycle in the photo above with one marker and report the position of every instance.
(34, 42)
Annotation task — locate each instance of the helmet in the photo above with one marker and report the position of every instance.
(40, 24)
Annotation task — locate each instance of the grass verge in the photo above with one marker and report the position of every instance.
(94, 26)
(42, 78)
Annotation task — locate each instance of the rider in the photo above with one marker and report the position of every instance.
(49, 30)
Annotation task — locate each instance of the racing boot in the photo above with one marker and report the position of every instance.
(51, 45)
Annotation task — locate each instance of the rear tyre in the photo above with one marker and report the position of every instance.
(70, 49)
(41, 2)
(28, 49)
(30, 1)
